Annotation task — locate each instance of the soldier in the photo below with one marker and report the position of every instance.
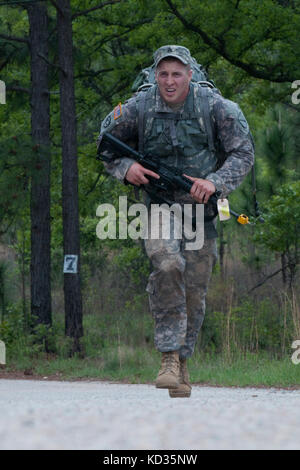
(189, 126)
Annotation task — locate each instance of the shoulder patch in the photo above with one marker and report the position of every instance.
(118, 111)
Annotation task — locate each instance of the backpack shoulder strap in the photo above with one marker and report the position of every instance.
(141, 108)
(143, 95)
(203, 93)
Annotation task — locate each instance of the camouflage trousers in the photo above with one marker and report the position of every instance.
(177, 289)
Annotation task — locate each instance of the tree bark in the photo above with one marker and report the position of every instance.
(72, 287)
(40, 185)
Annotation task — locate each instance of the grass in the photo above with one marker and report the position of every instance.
(118, 363)
(120, 348)
(249, 370)
(125, 364)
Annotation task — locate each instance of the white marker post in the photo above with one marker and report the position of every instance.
(2, 353)
(2, 92)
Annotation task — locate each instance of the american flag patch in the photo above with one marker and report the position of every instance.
(118, 111)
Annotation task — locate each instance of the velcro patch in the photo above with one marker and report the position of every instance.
(118, 111)
(107, 122)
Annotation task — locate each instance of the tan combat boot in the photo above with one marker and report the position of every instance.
(184, 389)
(168, 375)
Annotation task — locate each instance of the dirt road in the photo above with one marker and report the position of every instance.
(100, 415)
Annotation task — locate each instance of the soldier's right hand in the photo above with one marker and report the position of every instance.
(136, 174)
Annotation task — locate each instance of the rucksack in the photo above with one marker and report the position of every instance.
(146, 77)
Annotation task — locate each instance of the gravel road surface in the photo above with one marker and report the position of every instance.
(101, 415)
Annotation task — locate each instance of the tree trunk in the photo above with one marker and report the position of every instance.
(72, 287)
(284, 268)
(40, 184)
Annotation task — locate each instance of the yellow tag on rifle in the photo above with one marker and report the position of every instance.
(223, 209)
(243, 219)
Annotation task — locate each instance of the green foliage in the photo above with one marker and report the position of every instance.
(132, 261)
(3, 288)
(251, 51)
(250, 326)
(281, 230)
(20, 160)
(12, 328)
(44, 337)
(277, 148)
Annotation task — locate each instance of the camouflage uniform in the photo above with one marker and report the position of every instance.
(177, 287)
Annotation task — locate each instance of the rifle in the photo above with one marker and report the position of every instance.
(170, 178)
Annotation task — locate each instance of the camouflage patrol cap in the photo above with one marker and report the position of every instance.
(178, 52)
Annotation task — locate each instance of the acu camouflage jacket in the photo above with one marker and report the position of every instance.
(183, 138)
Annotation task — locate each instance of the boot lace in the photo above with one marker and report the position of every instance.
(169, 362)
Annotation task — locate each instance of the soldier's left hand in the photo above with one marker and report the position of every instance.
(201, 189)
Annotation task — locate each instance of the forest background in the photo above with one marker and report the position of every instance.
(65, 65)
